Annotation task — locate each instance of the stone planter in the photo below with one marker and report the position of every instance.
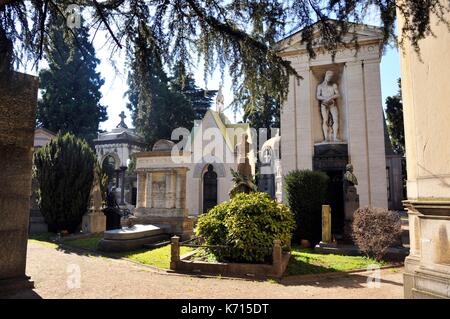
(185, 264)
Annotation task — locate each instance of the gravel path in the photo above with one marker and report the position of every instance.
(54, 271)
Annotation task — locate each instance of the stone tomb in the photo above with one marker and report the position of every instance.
(133, 237)
(161, 197)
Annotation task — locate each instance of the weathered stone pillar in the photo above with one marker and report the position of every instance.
(277, 262)
(326, 224)
(18, 100)
(174, 252)
(122, 185)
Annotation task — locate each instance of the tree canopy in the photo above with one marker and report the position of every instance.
(394, 121)
(156, 110)
(70, 85)
(217, 31)
(184, 83)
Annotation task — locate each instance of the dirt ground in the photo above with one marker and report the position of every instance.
(66, 274)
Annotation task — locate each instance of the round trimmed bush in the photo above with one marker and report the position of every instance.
(64, 172)
(248, 224)
(375, 230)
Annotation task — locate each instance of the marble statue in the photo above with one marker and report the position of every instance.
(327, 93)
(96, 194)
(349, 177)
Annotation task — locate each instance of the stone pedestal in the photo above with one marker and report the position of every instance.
(427, 268)
(94, 223)
(18, 98)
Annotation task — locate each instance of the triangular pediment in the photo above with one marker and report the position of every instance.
(364, 34)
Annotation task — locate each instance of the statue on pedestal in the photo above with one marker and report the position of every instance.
(242, 178)
(95, 221)
(351, 198)
(327, 93)
(349, 177)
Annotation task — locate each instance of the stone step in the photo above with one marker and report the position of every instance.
(158, 244)
(37, 219)
(35, 213)
(135, 232)
(114, 245)
(37, 228)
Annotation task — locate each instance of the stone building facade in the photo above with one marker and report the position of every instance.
(353, 116)
(426, 100)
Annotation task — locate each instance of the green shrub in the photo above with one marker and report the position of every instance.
(306, 192)
(248, 224)
(64, 172)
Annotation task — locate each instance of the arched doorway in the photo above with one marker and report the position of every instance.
(209, 189)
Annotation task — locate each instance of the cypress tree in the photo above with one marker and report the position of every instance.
(156, 110)
(70, 86)
(63, 170)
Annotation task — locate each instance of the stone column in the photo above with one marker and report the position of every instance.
(122, 186)
(140, 200)
(148, 191)
(357, 129)
(181, 189)
(171, 189)
(18, 98)
(375, 133)
(304, 119)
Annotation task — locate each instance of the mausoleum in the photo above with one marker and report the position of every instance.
(333, 116)
(194, 175)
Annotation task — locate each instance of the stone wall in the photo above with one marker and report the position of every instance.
(426, 100)
(18, 98)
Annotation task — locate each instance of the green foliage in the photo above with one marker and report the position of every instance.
(64, 173)
(239, 34)
(261, 113)
(70, 85)
(306, 192)
(156, 110)
(242, 184)
(184, 83)
(394, 121)
(248, 224)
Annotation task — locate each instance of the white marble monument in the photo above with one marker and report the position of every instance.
(334, 114)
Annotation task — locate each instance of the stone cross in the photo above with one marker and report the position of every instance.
(267, 157)
(122, 120)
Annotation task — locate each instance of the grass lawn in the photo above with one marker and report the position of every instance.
(303, 261)
(159, 257)
(306, 261)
